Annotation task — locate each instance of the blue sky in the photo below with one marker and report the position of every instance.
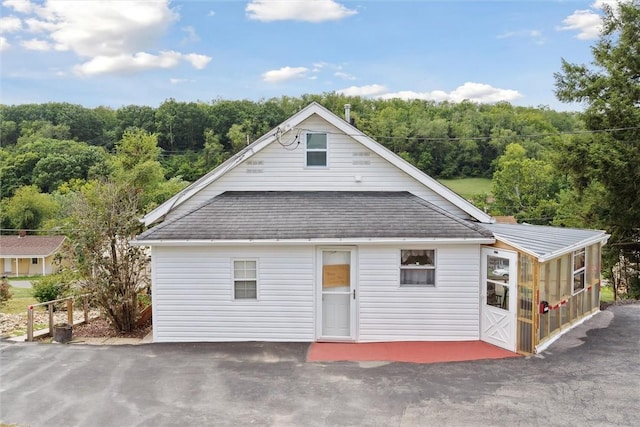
(117, 53)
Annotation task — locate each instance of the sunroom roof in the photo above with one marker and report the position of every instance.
(545, 242)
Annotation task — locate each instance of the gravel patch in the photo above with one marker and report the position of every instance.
(16, 324)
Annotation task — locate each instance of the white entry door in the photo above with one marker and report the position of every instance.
(337, 294)
(498, 298)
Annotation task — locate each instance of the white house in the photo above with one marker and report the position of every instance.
(315, 232)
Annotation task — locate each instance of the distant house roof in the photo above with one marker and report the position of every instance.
(544, 242)
(314, 215)
(29, 246)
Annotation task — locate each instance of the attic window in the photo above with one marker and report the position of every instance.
(316, 150)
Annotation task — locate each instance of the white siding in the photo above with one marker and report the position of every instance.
(276, 168)
(447, 312)
(193, 295)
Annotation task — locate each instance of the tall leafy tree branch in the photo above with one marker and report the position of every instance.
(610, 89)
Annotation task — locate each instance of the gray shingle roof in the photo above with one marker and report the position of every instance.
(29, 246)
(543, 241)
(266, 215)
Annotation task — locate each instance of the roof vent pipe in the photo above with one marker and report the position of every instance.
(347, 113)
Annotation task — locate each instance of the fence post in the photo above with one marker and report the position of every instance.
(50, 306)
(30, 323)
(85, 307)
(70, 311)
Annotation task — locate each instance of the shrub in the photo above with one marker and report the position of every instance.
(5, 295)
(49, 288)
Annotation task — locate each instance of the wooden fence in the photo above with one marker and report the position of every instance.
(49, 304)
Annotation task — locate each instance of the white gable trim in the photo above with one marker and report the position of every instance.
(287, 125)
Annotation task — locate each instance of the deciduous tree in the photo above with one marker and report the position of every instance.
(105, 217)
(610, 90)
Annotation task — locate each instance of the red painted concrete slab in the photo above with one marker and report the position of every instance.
(406, 351)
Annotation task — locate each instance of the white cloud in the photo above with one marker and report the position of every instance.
(39, 26)
(22, 6)
(141, 61)
(175, 81)
(197, 61)
(476, 92)
(110, 36)
(91, 28)
(211, 13)
(307, 10)
(344, 76)
(10, 24)
(4, 44)
(535, 35)
(37, 44)
(588, 22)
(284, 74)
(191, 35)
(369, 90)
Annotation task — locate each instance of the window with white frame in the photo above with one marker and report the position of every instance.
(579, 270)
(417, 267)
(316, 149)
(245, 279)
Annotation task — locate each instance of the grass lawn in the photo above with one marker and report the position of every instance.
(606, 294)
(22, 298)
(468, 187)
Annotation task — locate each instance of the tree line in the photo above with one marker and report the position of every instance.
(445, 140)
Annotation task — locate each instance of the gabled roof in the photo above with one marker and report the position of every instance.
(316, 216)
(29, 246)
(314, 108)
(544, 242)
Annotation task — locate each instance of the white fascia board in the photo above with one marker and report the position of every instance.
(345, 241)
(407, 167)
(602, 239)
(228, 165)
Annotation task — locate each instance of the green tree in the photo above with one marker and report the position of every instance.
(610, 90)
(524, 187)
(28, 209)
(105, 217)
(136, 165)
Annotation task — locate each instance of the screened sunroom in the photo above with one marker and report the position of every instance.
(558, 279)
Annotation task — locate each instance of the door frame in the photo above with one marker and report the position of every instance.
(513, 295)
(353, 306)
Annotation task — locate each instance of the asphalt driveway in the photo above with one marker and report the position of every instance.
(590, 377)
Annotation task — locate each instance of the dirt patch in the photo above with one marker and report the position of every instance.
(100, 327)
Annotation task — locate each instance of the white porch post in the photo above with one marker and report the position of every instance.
(44, 266)
(17, 265)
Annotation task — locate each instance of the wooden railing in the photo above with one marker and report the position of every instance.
(49, 304)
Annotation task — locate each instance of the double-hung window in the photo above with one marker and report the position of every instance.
(579, 270)
(316, 150)
(418, 267)
(245, 279)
